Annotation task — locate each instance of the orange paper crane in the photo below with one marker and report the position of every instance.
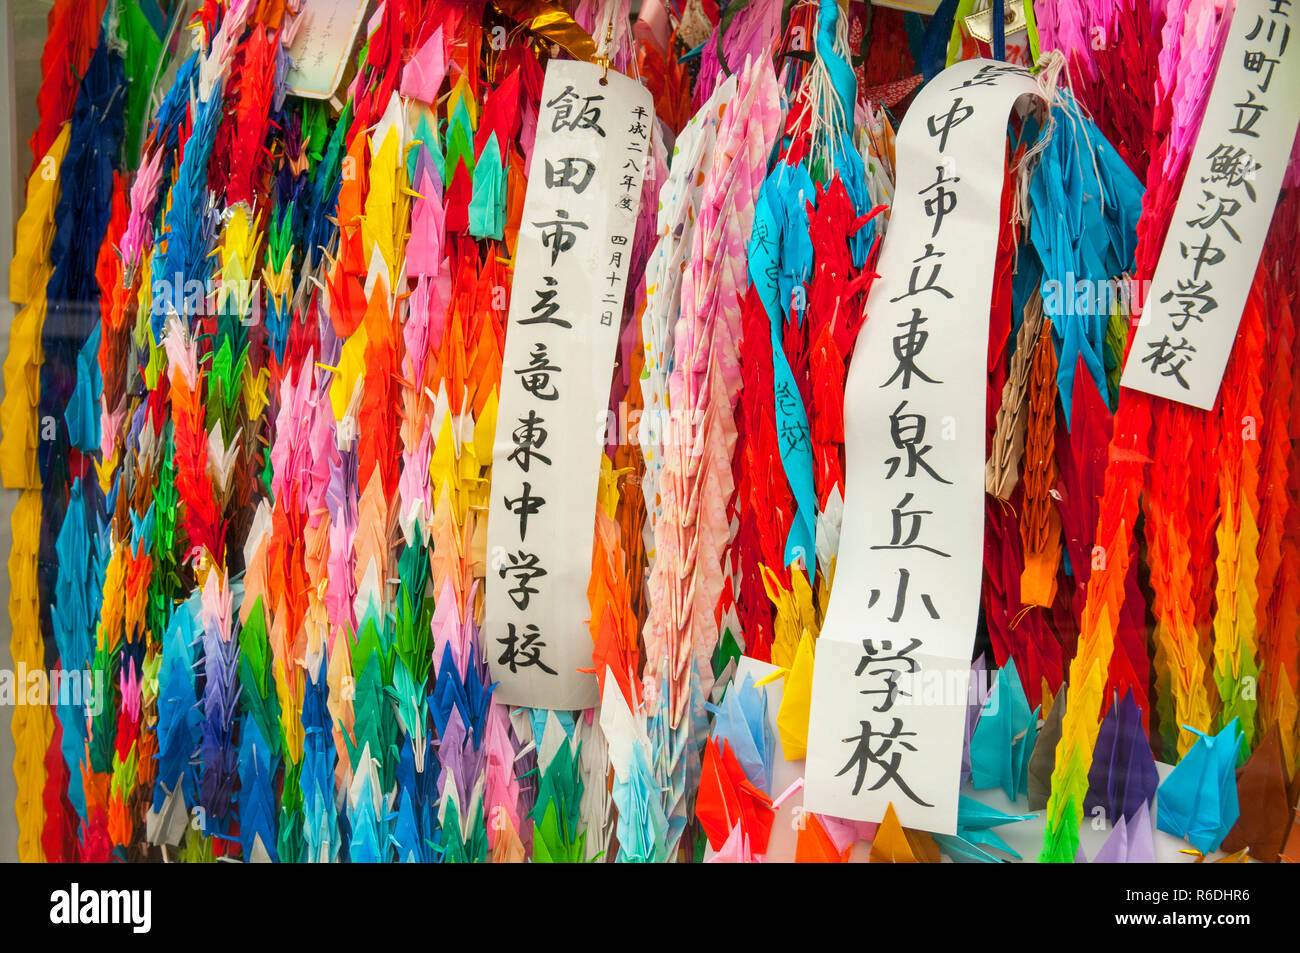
(1236, 670)
(1090, 668)
(1181, 671)
(1278, 606)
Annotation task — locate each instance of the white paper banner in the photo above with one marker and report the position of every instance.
(892, 668)
(566, 300)
(1207, 265)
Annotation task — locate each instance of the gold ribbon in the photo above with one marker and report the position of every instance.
(549, 21)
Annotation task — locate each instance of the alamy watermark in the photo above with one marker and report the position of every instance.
(74, 906)
(61, 687)
(1086, 296)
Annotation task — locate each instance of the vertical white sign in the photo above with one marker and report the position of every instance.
(1207, 265)
(892, 668)
(566, 301)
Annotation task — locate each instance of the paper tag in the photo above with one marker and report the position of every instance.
(980, 23)
(1207, 265)
(892, 668)
(566, 302)
(327, 29)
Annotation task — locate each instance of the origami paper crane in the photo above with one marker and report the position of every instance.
(894, 844)
(975, 821)
(741, 721)
(1004, 737)
(1130, 840)
(1123, 773)
(1198, 800)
